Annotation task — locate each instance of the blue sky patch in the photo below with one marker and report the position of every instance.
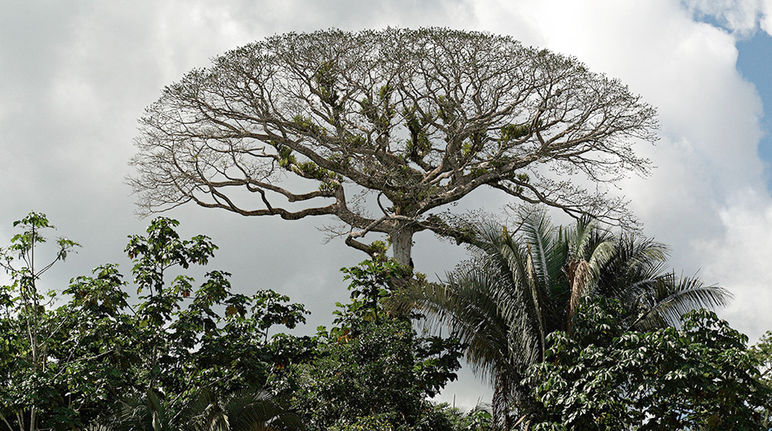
(755, 63)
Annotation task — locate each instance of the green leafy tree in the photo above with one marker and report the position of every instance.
(29, 329)
(418, 118)
(95, 347)
(371, 283)
(600, 377)
(191, 341)
(94, 357)
(372, 370)
(762, 354)
(518, 288)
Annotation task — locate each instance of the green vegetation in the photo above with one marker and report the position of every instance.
(372, 368)
(144, 364)
(701, 376)
(574, 327)
(521, 287)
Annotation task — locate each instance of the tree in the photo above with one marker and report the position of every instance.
(518, 288)
(372, 370)
(28, 328)
(762, 354)
(701, 376)
(400, 122)
(188, 341)
(90, 355)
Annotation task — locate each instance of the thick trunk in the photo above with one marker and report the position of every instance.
(402, 245)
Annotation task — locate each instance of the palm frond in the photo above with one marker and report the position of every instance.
(207, 413)
(257, 410)
(601, 254)
(148, 411)
(465, 304)
(580, 275)
(671, 297)
(538, 232)
(580, 236)
(633, 267)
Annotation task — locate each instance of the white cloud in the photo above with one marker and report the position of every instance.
(766, 16)
(740, 254)
(739, 16)
(710, 116)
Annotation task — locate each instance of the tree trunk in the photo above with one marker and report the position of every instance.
(402, 245)
(496, 403)
(500, 403)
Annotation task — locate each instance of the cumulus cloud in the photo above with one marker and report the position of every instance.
(740, 253)
(766, 16)
(739, 16)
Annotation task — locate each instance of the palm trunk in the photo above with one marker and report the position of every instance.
(500, 403)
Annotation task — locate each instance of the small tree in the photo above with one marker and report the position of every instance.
(193, 341)
(372, 370)
(309, 124)
(27, 326)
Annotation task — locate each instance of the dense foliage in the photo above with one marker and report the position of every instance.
(701, 376)
(372, 369)
(168, 353)
(519, 287)
(98, 357)
(181, 355)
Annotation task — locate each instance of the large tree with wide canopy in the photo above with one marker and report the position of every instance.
(383, 130)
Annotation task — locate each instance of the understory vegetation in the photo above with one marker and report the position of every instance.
(575, 327)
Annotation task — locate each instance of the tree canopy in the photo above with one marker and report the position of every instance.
(384, 129)
(372, 370)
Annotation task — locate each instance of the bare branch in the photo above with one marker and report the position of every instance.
(422, 117)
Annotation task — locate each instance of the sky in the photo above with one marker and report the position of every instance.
(75, 77)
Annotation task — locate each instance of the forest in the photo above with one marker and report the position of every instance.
(163, 351)
(575, 326)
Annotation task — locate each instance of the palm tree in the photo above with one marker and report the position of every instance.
(248, 410)
(518, 288)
